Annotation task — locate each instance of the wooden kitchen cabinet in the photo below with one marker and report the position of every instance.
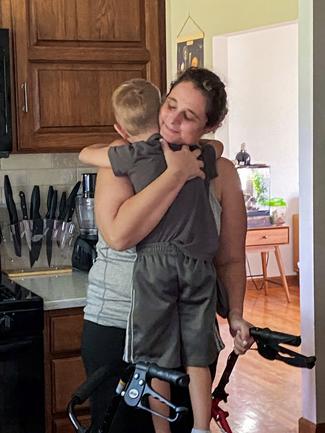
(64, 370)
(68, 58)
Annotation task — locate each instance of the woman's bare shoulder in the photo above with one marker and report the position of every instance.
(225, 166)
(227, 179)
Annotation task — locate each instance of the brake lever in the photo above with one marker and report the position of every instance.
(273, 351)
(176, 412)
(138, 391)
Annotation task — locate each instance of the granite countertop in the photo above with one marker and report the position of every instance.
(58, 290)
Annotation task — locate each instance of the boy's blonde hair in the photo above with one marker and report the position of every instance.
(136, 105)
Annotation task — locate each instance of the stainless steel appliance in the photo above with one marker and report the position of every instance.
(21, 359)
(84, 251)
(5, 104)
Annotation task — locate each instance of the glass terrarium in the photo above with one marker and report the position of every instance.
(255, 182)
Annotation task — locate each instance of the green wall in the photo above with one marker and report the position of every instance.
(217, 17)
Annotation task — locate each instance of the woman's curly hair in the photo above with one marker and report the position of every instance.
(212, 88)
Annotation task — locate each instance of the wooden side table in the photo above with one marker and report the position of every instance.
(264, 240)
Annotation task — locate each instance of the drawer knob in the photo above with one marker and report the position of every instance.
(265, 237)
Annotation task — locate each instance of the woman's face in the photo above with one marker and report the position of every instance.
(182, 116)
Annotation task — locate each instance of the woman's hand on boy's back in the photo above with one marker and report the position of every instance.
(183, 163)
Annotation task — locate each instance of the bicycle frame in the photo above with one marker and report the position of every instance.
(219, 394)
(135, 388)
(268, 346)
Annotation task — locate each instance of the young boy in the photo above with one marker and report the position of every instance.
(171, 321)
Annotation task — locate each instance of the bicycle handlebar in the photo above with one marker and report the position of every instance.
(171, 376)
(87, 388)
(268, 335)
(268, 345)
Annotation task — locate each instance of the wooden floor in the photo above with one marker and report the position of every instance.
(264, 396)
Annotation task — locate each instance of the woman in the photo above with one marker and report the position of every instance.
(124, 220)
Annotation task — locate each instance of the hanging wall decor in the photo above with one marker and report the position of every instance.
(190, 45)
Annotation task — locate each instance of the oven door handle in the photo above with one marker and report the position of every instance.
(16, 346)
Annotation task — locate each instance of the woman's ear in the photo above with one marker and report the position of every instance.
(121, 131)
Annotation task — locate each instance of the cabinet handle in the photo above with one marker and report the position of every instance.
(264, 236)
(5, 85)
(25, 106)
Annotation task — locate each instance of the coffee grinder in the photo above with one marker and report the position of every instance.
(84, 251)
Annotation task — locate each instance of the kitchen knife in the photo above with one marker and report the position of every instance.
(47, 216)
(62, 206)
(26, 223)
(50, 225)
(13, 217)
(71, 202)
(37, 232)
(49, 200)
(67, 226)
(58, 223)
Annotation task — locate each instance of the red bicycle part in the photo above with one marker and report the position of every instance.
(220, 416)
(219, 394)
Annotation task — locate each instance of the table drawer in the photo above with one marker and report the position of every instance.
(267, 236)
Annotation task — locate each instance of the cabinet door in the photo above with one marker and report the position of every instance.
(63, 425)
(68, 374)
(70, 56)
(66, 331)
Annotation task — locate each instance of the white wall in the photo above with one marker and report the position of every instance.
(307, 209)
(260, 68)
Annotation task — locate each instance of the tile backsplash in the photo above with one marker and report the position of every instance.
(61, 170)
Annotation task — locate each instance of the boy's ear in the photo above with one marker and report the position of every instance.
(120, 130)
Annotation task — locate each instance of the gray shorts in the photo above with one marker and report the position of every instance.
(173, 308)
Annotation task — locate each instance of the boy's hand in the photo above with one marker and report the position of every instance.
(183, 162)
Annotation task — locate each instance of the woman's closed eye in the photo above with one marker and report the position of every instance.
(189, 117)
(171, 106)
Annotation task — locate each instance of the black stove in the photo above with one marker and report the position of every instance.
(21, 359)
(21, 311)
(12, 293)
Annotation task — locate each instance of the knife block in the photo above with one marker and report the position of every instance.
(18, 243)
